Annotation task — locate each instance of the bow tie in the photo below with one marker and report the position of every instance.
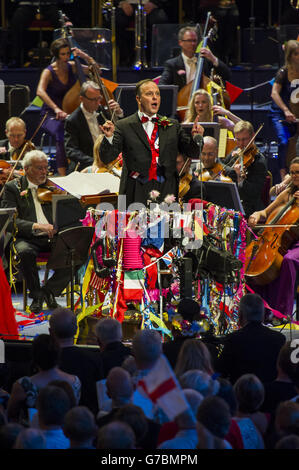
(145, 119)
(192, 60)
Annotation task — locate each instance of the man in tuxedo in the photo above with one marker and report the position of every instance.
(34, 229)
(82, 126)
(149, 144)
(254, 348)
(181, 70)
(15, 130)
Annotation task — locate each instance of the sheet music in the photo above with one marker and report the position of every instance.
(87, 184)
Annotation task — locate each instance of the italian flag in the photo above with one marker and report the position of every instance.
(133, 284)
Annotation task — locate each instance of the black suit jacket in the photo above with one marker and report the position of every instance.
(78, 140)
(4, 155)
(251, 350)
(174, 72)
(131, 139)
(24, 204)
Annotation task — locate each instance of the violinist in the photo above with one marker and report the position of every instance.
(81, 128)
(280, 292)
(189, 186)
(249, 170)
(210, 168)
(34, 229)
(55, 81)
(181, 70)
(11, 147)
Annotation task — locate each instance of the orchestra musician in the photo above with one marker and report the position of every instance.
(210, 167)
(10, 148)
(149, 144)
(249, 167)
(181, 70)
(81, 127)
(280, 292)
(283, 111)
(55, 81)
(34, 229)
(189, 186)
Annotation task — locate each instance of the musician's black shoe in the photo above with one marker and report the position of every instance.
(50, 299)
(37, 303)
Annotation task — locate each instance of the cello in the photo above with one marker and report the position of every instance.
(264, 256)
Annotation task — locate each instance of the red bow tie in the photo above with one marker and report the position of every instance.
(145, 119)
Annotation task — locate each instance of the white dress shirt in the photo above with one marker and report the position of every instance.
(190, 67)
(40, 216)
(92, 122)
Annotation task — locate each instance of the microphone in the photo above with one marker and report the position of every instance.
(198, 139)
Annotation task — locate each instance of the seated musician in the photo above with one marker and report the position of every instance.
(280, 292)
(34, 229)
(251, 175)
(181, 70)
(210, 168)
(189, 186)
(81, 128)
(10, 148)
(98, 166)
(201, 106)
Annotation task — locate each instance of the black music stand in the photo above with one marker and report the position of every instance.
(71, 250)
(6, 216)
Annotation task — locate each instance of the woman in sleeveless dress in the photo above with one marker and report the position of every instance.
(282, 116)
(55, 81)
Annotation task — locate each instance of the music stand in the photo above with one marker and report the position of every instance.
(224, 195)
(6, 216)
(212, 129)
(71, 250)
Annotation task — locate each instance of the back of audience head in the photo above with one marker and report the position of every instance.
(285, 365)
(189, 310)
(147, 348)
(287, 418)
(251, 309)
(63, 324)
(8, 435)
(129, 364)
(250, 393)
(199, 381)
(133, 416)
(30, 438)
(227, 392)
(108, 330)
(288, 442)
(45, 352)
(80, 426)
(187, 419)
(116, 435)
(66, 386)
(119, 386)
(193, 355)
(214, 415)
(52, 404)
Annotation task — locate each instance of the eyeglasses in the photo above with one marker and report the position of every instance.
(92, 99)
(294, 173)
(189, 40)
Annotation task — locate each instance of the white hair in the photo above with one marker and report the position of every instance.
(33, 155)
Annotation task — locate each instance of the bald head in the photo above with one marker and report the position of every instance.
(209, 152)
(63, 324)
(119, 386)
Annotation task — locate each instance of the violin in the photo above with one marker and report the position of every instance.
(28, 147)
(214, 174)
(47, 190)
(264, 256)
(184, 179)
(246, 156)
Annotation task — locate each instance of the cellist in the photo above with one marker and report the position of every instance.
(180, 70)
(280, 292)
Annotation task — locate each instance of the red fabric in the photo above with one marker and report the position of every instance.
(8, 324)
(234, 436)
(152, 272)
(168, 431)
(233, 91)
(152, 174)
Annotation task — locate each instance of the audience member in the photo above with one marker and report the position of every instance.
(286, 423)
(193, 355)
(213, 423)
(112, 350)
(288, 442)
(80, 428)
(87, 365)
(184, 426)
(52, 405)
(8, 435)
(30, 439)
(199, 381)
(282, 388)
(146, 431)
(253, 348)
(45, 353)
(116, 435)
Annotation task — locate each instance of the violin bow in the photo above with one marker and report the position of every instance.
(23, 151)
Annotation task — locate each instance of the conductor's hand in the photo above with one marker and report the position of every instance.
(197, 128)
(45, 228)
(108, 128)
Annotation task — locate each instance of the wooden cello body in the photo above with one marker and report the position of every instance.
(265, 255)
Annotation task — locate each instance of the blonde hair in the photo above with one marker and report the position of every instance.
(191, 113)
(193, 354)
(244, 126)
(96, 152)
(15, 121)
(290, 47)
